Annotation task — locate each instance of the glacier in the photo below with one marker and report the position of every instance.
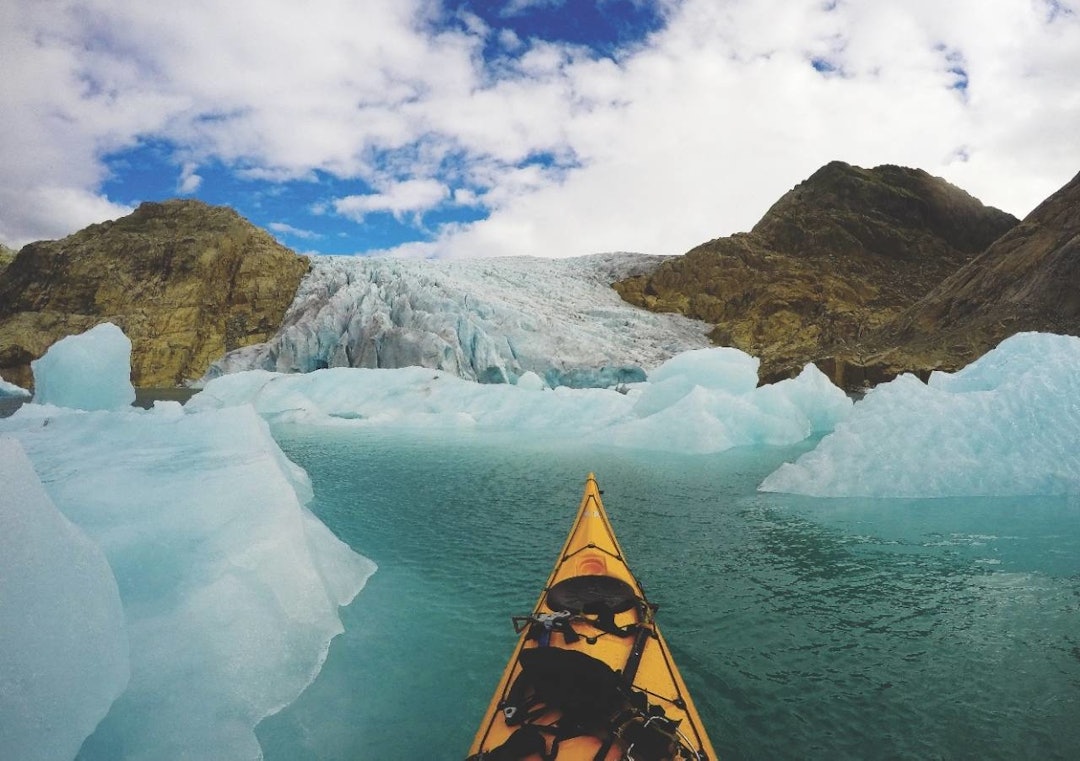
(229, 586)
(1005, 425)
(490, 320)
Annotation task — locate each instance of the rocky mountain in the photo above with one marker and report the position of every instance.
(186, 281)
(832, 262)
(1029, 279)
(865, 272)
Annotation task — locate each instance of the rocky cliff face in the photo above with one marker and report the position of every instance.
(186, 281)
(1027, 280)
(832, 262)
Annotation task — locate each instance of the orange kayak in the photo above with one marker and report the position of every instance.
(591, 677)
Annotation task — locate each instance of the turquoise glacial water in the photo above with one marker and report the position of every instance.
(805, 628)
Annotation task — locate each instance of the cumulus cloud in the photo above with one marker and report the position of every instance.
(515, 7)
(697, 133)
(690, 134)
(296, 232)
(399, 198)
(189, 179)
(51, 212)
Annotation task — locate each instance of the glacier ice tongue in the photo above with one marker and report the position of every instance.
(1005, 425)
(90, 371)
(63, 644)
(484, 320)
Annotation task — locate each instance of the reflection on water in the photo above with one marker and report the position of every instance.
(829, 629)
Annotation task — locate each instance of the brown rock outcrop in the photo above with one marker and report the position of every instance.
(832, 262)
(186, 281)
(1029, 279)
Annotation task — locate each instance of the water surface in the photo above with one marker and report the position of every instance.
(805, 629)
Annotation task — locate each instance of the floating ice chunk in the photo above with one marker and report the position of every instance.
(687, 424)
(10, 389)
(90, 371)
(1006, 425)
(708, 400)
(657, 396)
(531, 381)
(813, 394)
(675, 413)
(63, 645)
(721, 368)
(230, 586)
(1019, 363)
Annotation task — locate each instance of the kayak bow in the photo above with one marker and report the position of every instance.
(591, 676)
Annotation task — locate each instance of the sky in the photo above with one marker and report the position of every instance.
(471, 128)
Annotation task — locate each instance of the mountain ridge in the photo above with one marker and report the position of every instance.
(867, 273)
(830, 263)
(1027, 280)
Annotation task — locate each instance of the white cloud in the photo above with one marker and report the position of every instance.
(296, 232)
(690, 135)
(50, 213)
(189, 179)
(722, 113)
(399, 198)
(517, 7)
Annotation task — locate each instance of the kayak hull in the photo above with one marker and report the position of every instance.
(591, 676)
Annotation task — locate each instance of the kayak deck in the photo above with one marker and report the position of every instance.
(591, 676)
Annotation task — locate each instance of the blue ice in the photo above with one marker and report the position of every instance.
(229, 587)
(1006, 425)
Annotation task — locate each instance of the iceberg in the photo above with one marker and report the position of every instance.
(90, 371)
(229, 586)
(63, 643)
(11, 390)
(706, 401)
(482, 319)
(1005, 425)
